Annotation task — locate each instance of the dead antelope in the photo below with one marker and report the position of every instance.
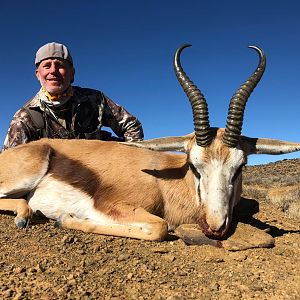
(113, 189)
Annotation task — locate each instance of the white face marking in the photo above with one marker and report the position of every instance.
(216, 183)
(197, 185)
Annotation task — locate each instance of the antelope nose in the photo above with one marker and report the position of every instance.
(218, 229)
(221, 228)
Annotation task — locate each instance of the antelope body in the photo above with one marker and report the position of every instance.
(139, 189)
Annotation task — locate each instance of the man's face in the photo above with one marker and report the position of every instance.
(55, 75)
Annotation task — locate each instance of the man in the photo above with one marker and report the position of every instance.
(60, 110)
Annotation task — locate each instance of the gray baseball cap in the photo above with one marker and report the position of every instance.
(52, 50)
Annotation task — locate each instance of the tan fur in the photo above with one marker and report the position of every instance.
(217, 150)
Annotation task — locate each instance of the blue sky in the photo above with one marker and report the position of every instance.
(125, 48)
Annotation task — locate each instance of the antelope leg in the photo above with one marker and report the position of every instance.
(133, 222)
(20, 207)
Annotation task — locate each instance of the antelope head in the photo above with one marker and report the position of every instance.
(216, 156)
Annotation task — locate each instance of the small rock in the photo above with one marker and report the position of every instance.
(82, 263)
(96, 249)
(215, 287)
(169, 257)
(160, 250)
(39, 268)
(175, 297)
(68, 239)
(19, 270)
(122, 257)
(239, 256)
(181, 273)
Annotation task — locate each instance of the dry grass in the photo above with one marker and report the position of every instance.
(287, 198)
(277, 182)
(281, 173)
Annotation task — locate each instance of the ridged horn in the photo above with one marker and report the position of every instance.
(197, 100)
(238, 102)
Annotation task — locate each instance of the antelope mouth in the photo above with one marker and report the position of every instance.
(221, 233)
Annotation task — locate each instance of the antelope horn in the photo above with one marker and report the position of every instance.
(197, 100)
(238, 102)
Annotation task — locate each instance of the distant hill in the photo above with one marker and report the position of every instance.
(277, 182)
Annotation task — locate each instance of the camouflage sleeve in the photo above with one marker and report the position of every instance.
(20, 131)
(121, 121)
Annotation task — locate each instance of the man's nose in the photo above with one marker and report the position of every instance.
(53, 68)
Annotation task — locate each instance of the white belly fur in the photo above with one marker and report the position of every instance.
(54, 198)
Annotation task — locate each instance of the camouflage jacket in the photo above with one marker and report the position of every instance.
(81, 117)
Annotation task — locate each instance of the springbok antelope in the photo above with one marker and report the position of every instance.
(115, 189)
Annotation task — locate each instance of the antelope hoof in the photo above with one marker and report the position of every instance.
(21, 222)
(59, 222)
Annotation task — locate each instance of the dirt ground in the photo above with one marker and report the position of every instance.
(44, 262)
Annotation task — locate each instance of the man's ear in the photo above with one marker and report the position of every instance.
(37, 74)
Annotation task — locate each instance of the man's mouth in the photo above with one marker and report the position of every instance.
(54, 80)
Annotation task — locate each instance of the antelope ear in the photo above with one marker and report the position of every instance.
(175, 143)
(269, 146)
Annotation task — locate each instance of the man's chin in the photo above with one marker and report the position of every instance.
(55, 90)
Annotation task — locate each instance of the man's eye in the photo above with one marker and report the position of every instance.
(59, 64)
